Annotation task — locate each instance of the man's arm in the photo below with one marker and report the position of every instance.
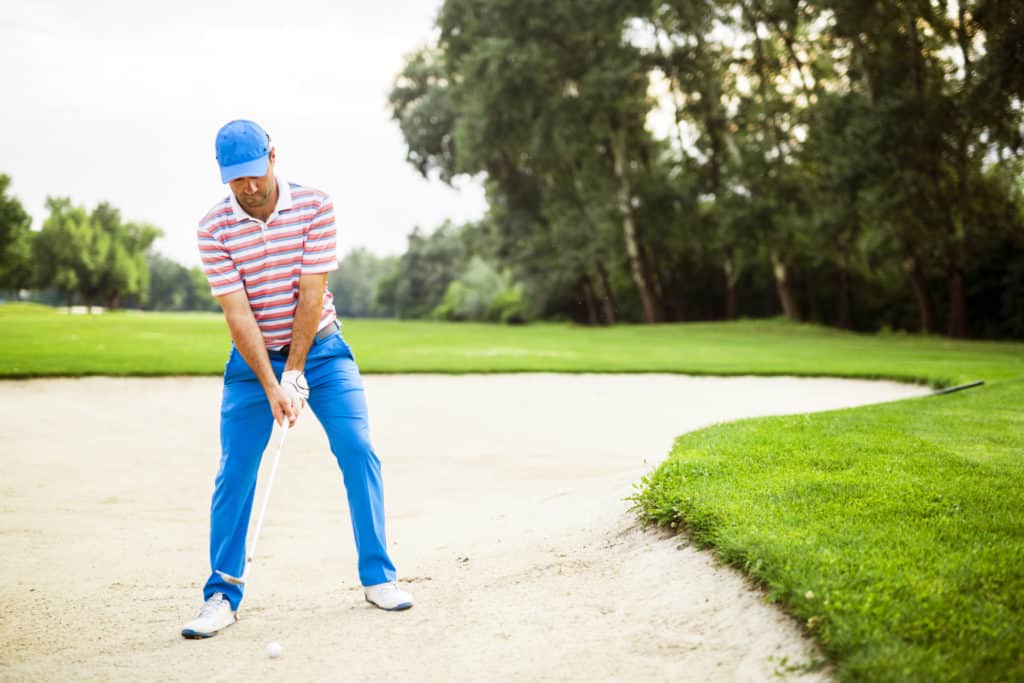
(249, 342)
(307, 319)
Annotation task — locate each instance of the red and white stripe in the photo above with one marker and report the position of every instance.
(239, 251)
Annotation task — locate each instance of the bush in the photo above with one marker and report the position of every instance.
(453, 307)
(482, 293)
(508, 307)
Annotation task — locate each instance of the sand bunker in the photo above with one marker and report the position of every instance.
(506, 513)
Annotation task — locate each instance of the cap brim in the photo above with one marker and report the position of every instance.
(247, 169)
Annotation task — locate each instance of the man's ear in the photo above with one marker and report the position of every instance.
(273, 155)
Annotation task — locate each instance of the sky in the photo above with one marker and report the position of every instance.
(120, 101)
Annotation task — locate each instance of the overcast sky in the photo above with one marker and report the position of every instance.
(120, 100)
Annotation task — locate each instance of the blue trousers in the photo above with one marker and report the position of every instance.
(337, 399)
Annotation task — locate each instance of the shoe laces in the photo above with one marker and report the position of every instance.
(211, 606)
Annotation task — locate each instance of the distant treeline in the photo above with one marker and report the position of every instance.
(92, 257)
(853, 163)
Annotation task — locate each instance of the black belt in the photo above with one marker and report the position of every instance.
(324, 332)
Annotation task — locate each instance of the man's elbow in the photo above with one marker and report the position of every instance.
(311, 288)
(237, 319)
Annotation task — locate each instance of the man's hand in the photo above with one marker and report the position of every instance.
(296, 389)
(281, 406)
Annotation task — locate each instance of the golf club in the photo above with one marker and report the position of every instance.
(251, 554)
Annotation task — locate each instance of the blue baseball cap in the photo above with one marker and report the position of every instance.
(243, 150)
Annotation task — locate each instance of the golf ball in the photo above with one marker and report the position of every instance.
(273, 650)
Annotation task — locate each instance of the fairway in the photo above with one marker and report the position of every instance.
(37, 342)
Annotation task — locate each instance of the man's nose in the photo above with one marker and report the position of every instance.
(250, 187)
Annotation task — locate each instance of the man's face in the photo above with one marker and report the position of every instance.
(253, 192)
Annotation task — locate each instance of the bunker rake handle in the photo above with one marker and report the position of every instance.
(961, 387)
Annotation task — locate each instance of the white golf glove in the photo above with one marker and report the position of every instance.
(294, 384)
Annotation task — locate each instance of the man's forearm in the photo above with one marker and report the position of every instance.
(307, 320)
(249, 342)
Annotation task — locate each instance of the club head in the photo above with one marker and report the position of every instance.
(232, 579)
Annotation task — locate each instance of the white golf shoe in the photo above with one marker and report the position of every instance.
(214, 615)
(388, 596)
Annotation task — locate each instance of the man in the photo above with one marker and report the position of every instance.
(266, 250)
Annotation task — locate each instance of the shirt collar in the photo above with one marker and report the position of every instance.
(284, 202)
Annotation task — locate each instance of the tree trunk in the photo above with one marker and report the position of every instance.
(604, 294)
(920, 289)
(865, 77)
(655, 279)
(588, 300)
(602, 290)
(844, 287)
(957, 299)
(787, 40)
(789, 308)
(731, 308)
(957, 305)
(617, 138)
(673, 77)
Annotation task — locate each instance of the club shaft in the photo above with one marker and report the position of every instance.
(266, 498)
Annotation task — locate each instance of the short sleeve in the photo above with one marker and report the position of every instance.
(217, 265)
(320, 254)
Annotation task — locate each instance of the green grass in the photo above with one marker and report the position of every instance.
(45, 343)
(894, 533)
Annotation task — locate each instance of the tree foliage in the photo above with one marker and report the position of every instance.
(356, 282)
(848, 162)
(173, 287)
(94, 255)
(15, 240)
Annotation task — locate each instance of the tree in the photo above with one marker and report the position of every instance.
(125, 245)
(697, 70)
(419, 278)
(94, 255)
(849, 159)
(472, 296)
(173, 287)
(545, 94)
(58, 246)
(355, 284)
(168, 284)
(420, 102)
(200, 298)
(15, 240)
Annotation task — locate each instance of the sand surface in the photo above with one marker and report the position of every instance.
(506, 516)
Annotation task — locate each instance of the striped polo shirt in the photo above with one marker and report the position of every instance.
(267, 259)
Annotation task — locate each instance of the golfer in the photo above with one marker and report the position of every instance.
(266, 249)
